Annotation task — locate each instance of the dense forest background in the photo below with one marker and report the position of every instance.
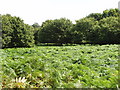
(96, 28)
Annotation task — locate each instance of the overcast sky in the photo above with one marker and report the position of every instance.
(32, 11)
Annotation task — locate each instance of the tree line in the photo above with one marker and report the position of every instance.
(96, 28)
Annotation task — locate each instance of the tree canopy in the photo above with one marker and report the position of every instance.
(55, 31)
(97, 28)
(15, 33)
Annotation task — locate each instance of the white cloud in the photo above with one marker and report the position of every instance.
(40, 10)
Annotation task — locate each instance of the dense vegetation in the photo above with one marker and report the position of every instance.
(15, 33)
(82, 66)
(55, 31)
(77, 66)
(101, 28)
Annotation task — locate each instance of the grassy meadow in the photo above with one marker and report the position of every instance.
(79, 66)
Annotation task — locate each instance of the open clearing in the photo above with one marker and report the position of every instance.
(81, 66)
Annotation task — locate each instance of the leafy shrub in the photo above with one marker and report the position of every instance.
(15, 33)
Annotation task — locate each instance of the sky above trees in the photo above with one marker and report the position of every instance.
(32, 11)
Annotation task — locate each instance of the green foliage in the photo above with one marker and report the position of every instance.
(36, 27)
(97, 28)
(82, 66)
(15, 33)
(0, 31)
(97, 16)
(106, 13)
(55, 31)
(82, 29)
(107, 31)
(6, 30)
(111, 12)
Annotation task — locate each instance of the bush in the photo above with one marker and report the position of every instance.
(15, 33)
(55, 31)
(108, 31)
